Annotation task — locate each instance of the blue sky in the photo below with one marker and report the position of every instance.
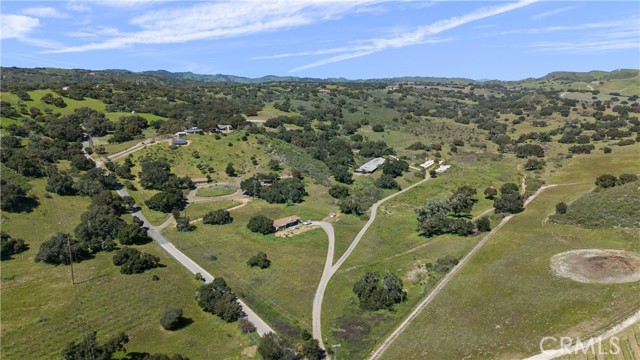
(355, 39)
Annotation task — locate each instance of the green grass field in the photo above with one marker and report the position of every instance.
(213, 192)
(214, 153)
(198, 210)
(392, 243)
(42, 311)
(282, 293)
(514, 296)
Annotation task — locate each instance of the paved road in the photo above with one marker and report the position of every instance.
(585, 346)
(418, 309)
(324, 280)
(330, 270)
(261, 326)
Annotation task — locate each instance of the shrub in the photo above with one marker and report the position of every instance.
(490, 193)
(626, 178)
(606, 181)
(217, 217)
(483, 224)
(339, 191)
(246, 326)
(9, 246)
(561, 208)
(386, 181)
(171, 319)
(375, 293)
(133, 261)
(217, 298)
(260, 260)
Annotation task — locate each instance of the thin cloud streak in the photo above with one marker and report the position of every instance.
(418, 36)
(208, 21)
(552, 12)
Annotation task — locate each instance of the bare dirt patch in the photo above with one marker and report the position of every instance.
(597, 266)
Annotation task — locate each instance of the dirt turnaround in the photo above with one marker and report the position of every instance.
(597, 266)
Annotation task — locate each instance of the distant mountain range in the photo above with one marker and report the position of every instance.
(14, 75)
(273, 78)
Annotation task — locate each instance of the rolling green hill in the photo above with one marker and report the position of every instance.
(618, 206)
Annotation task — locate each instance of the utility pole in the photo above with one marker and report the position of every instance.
(73, 281)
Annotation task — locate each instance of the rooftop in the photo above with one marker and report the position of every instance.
(371, 165)
(286, 221)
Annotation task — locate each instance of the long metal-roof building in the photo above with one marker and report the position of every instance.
(371, 166)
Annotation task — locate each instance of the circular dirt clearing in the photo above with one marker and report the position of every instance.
(597, 266)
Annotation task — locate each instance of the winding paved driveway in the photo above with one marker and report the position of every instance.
(330, 270)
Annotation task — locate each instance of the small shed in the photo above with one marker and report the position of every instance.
(178, 142)
(225, 128)
(286, 222)
(193, 130)
(200, 180)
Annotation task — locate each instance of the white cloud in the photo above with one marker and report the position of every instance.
(127, 3)
(614, 35)
(418, 36)
(43, 12)
(79, 6)
(92, 33)
(17, 26)
(577, 27)
(552, 12)
(223, 19)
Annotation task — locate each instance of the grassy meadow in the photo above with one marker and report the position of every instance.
(509, 319)
(42, 311)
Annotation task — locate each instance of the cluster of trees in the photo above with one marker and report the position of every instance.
(448, 215)
(391, 169)
(101, 223)
(10, 246)
(261, 224)
(61, 249)
(510, 200)
(377, 292)
(13, 193)
(156, 175)
(217, 217)
(274, 347)
(606, 180)
(217, 298)
(360, 198)
(128, 128)
(260, 260)
(100, 226)
(166, 201)
(273, 189)
(57, 101)
(134, 261)
(90, 348)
